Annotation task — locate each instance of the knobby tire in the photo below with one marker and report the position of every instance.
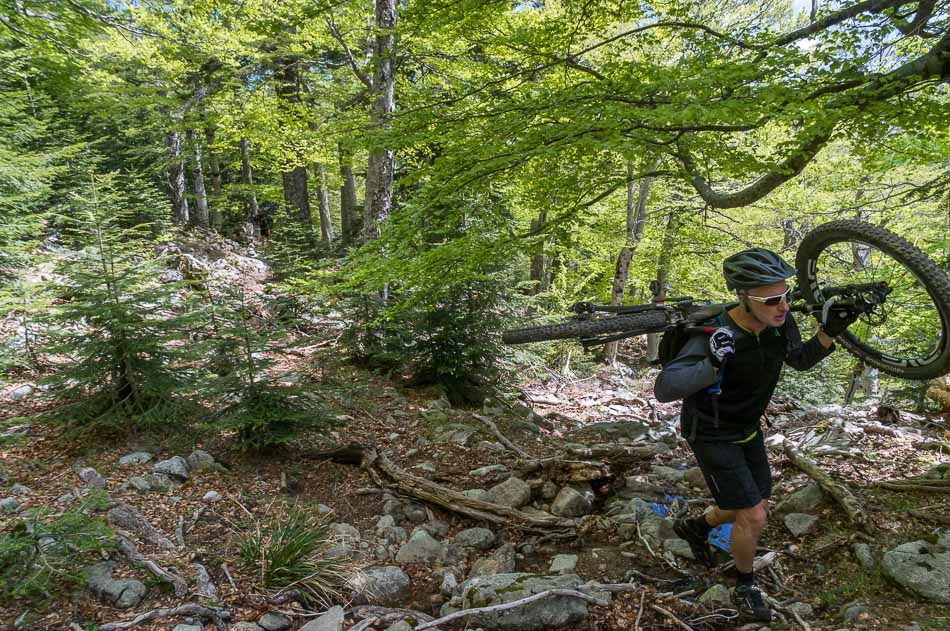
(635, 324)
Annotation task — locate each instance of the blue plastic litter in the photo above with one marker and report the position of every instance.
(719, 537)
(663, 508)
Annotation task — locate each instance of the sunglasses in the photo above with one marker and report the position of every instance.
(771, 301)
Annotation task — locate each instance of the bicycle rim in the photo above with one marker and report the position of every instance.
(909, 336)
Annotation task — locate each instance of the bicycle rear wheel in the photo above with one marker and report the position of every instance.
(911, 339)
(652, 321)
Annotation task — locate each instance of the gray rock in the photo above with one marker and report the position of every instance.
(449, 584)
(656, 530)
(421, 548)
(478, 538)
(91, 478)
(345, 532)
(920, 567)
(476, 494)
(549, 490)
(188, 627)
(245, 626)
(384, 522)
(563, 564)
(436, 528)
(381, 585)
(717, 595)
(396, 536)
(513, 492)
(341, 550)
(852, 612)
(211, 497)
(20, 489)
(800, 523)
(502, 561)
(679, 547)
(573, 500)
(125, 516)
(200, 460)
(135, 458)
(323, 509)
(454, 433)
(274, 621)
(205, 587)
(175, 467)
(121, 593)
(667, 474)
(803, 500)
(161, 481)
(140, 484)
(489, 470)
(332, 620)
(9, 505)
(425, 467)
(402, 625)
(694, 477)
(21, 392)
(416, 513)
(555, 611)
(865, 556)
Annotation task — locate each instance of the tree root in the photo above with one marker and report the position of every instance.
(128, 548)
(839, 492)
(218, 616)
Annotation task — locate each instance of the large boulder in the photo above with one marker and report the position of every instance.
(573, 501)
(332, 620)
(200, 460)
(922, 568)
(381, 585)
(123, 593)
(552, 612)
(513, 492)
(175, 467)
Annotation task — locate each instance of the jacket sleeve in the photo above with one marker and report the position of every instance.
(689, 372)
(803, 355)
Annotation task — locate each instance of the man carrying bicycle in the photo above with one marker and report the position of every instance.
(726, 382)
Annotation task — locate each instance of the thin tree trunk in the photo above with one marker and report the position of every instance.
(350, 217)
(217, 218)
(295, 180)
(662, 276)
(252, 219)
(538, 258)
(176, 178)
(200, 216)
(326, 222)
(636, 219)
(379, 168)
(865, 378)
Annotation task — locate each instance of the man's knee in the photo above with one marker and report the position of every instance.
(753, 518)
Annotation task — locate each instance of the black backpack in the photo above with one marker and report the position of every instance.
(673, 341)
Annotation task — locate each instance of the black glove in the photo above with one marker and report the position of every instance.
(836, 321)
(721, 345)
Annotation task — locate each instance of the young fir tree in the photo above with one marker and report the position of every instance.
(259, 407)
(118, 329)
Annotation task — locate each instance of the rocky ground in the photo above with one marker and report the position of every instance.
(181, 510)
(564, 493)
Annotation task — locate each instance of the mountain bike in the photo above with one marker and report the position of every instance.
(901, 296)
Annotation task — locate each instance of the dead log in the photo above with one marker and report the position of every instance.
(623, 452)
(838, 491)
(387, 474)
(218, 616)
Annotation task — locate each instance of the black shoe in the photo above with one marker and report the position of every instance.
(751, 605)
(688, 532)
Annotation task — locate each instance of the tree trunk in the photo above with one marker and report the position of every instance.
(865, 378)
(326, 222)
(350, 217)
(217, 218)
(662, 277)
(379, 168)
(200, 216)
(252, 219)
(294, 180)
(176, 178)
(636, 219)
(539, 265)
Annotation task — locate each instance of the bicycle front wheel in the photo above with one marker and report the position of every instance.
(909, 337)
(635, 324)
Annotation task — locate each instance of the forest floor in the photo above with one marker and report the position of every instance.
(815, 577)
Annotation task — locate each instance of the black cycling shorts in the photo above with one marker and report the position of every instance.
(738, 474)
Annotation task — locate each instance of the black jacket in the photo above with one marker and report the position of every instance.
(748, 380)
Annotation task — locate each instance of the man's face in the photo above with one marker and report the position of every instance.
(770, 315)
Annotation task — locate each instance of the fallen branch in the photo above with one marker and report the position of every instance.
(940, 519)
(128, 548)
(933, 445)
(613, 451)
(893, 486)
(671, 616)
(501, 437)
(839, 492)
(379, 613)
(218, 616)
(513, 604)
(428, 491)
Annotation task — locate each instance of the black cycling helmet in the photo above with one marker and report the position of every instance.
(755, 267)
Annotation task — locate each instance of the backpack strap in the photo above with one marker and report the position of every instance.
(716, 389)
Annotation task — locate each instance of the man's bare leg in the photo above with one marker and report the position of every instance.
(747, 525)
